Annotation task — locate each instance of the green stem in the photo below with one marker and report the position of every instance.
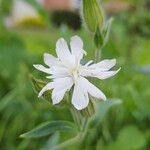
(97, 58)
(76, 117)
(85, 123)
(98, 54)
(76, 139)
(75, 114)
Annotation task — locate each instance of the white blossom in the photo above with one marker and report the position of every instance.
(66, 72)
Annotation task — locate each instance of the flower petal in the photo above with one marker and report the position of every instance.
(59, 72)
(58, 96)
(62, 49)
(88, 63)
(106, 74)
(93, 90)
(47, 87)
(62, 85)
(50, 60)
(80, 98)
(77, 47)
(104, 64)
(42, 68)
(98, 73)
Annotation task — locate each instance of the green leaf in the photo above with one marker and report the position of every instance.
(98, 38)
(38, 85)
(7, 99)
(106, 30)
(49, 128)
(52, 142)
(103, 108)
(75, 140)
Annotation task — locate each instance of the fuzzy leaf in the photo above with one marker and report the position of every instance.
(49, 128)
(52, 141)
(75, 140)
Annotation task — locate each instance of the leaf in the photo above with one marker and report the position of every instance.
(38, 85)
(106, 30)
(98, 38)
(7, 99)
(103, 108)
(75, 140)
(49, 128)
(52, 141)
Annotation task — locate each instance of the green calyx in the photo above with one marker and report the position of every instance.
(93, 15)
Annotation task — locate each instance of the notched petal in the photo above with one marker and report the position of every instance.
(104, 65)
(106, 74)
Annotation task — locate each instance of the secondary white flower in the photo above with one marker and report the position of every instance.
(66, 71)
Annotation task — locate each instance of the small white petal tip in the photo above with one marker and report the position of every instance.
(114, 60)
(35, 65)
(80, 108)
(45, 54)
(85, 53)
(76, 37)
(104, 99)
(39, 95)
(118, 70)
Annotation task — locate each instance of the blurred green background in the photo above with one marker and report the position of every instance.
(125, 127)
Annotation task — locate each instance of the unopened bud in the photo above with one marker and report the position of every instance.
(93, 15)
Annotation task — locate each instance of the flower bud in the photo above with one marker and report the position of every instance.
(93, 15)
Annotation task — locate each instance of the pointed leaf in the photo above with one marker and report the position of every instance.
(52, 141)
(75, 140)
(106, 30)
(49, 128)
(7, 99)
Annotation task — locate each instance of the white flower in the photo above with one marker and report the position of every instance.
(66, 71)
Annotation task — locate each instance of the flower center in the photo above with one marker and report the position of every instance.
(74, 72)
